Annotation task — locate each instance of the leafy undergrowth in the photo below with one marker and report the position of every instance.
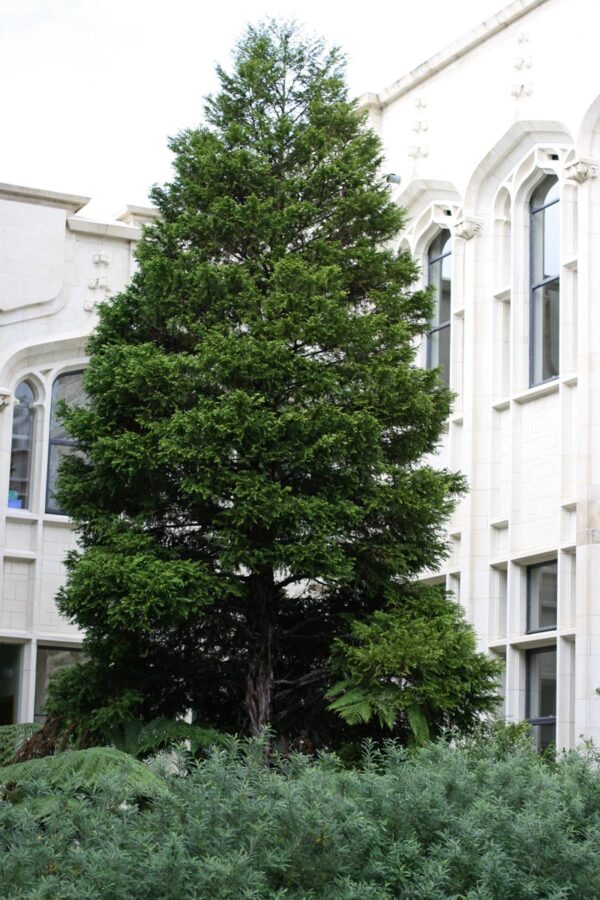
(473, 819)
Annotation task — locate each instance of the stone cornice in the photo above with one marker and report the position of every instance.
(70, 202)
(455, 51)
(104, 229)
(137, 215)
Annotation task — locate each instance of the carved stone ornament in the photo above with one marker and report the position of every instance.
(5, 397)
(581, 170)
(99, 283)
(466, 229)
(522, 62)
(521, 90)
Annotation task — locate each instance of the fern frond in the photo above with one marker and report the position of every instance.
(12, 737)
(353, 706)
(84, 770)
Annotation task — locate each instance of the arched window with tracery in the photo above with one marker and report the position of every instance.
(439, 275)
(545, 282)
(21, 452)
(67, 387)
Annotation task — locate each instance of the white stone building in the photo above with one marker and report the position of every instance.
(497, 143)
(54, 267)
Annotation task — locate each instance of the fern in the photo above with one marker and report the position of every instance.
(84, 770)
(142, 738)
(12, 737)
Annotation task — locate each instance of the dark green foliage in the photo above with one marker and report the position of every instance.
(414, 663)
(485, 819)
(143, 738)
(253, 477)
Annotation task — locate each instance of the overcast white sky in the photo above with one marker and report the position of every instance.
(90, 89)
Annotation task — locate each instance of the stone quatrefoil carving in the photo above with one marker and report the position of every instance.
(99, 282)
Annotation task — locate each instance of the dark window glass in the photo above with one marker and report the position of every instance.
(545, 302)
(67, 387)
(542, 591)
(545, 282)
(541, 695)
(439, 275)
(50, 660)
(10, 677)
(19, 486)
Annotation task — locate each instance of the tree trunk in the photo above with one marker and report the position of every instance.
(259, 682)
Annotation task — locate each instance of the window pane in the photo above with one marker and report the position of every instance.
(439, 352)
(439, 277)
(21, 448)
(545, 326)
(542, 593)
(49, 661)
(546, 192)
(543, 735)
(68, 387)
(441, 245)
(541, 679)
(551, 240)
(545, 244)
(56, 454)
(10, 674)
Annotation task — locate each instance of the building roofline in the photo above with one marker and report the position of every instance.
(71, 202)
(137, 215)
(104, 229)
(450, 54)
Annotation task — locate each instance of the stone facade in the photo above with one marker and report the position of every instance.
(54, 268)
(508, 113)
(475, 133)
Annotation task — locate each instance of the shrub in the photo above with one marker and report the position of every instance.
(475, 819)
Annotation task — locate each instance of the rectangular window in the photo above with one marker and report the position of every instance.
(545, 331)
(438, 352)
(542, 593)
(541, 695)
(10, 678)
(50, 660)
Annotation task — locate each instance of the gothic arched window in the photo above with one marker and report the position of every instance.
(21, 452)
(439, 275)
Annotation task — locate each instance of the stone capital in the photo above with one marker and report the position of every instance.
(466, 228)
(581, 170)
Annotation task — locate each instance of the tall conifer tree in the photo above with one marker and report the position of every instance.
(253, 480)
